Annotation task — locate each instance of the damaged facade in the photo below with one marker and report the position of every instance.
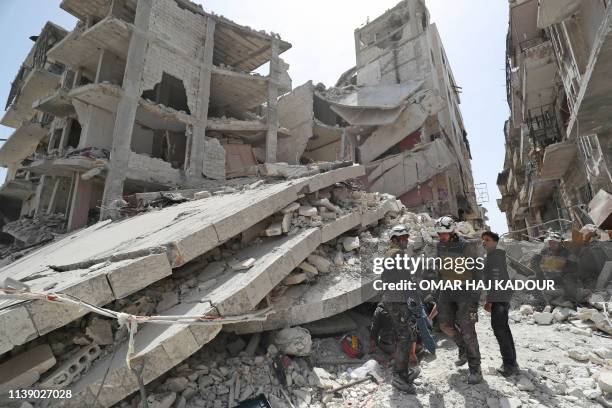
(140, 96)
(558, 144)
(396, 112)
(201, 193)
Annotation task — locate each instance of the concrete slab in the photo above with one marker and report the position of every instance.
(331, 294)
(161, 347)
(100, 284)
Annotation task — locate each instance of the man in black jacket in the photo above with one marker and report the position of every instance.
(498, 302)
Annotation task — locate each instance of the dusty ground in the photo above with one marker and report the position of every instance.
(545, 367)
(216, 377)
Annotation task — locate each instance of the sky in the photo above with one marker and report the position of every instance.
(321, 33)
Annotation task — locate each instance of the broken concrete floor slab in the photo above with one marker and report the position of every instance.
(178, 233)
(162, 347)
(332, 294)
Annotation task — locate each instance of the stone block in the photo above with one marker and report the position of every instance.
(23, 370)
(350, 243)
(310, 270)
(294, 279)
(201, 194)
(100, 331)
(72, 369)
(274, 229)
(308, 211)
(290, 208)
(322, 264)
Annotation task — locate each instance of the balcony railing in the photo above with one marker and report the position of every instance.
(543, 126)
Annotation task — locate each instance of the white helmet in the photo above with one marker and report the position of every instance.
(553, 236)
(445, 224)
(398, 231)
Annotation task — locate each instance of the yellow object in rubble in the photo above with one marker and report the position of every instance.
(552, 263)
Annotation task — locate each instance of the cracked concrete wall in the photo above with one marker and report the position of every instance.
(296, 113)
(177, 40)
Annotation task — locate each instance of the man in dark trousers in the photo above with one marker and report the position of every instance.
(458, 309)
(498, 302)
(401, 308)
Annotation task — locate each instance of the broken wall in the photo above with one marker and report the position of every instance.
(401, 173)
(175, 48)
(408, 61)
(296, 113)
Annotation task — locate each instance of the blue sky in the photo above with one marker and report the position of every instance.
(321, 31)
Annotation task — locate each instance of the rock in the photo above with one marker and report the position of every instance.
(161, 400)
(322, 264)
(492, 402)
(543, 318)
(604, 380)
(322, 378)
(273, 230)
(276, 402)
(561, 314)
(525, 385)
(350, 243)
(294, 279)
(176, 384)
(584, 383)
(201, 194)
(290, 208)
(272, 350)
(311, 270)
(339, 258)
(515, 316)
(236, 347)
(205, 381)
(241, 265)
(603, 352)
(578, 354)
(526, 310)
(505, 402)
(100, 331)
(592, 393)
(295, 341)
(286, 222)
(307, 211)
(581, 332)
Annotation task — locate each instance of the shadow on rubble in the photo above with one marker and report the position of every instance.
(458, 382)
(400, 399)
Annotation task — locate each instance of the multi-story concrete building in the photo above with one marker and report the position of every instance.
(401, 104)
(558, 144)
(141, 96)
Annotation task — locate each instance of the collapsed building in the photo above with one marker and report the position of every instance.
(161, 192)
(140, 96)
(396, 112)
(558, 146)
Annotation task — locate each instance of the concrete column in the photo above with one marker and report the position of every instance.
(126, 111)
(79, 206)
(104, 72)
(195, 157)
(65, 134)
(53, 200)
(273, 78)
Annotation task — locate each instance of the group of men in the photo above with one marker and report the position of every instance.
(457, 310)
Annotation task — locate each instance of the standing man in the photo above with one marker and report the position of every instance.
(498, 302)
(458, 309)
(556, 262)
(402, 308)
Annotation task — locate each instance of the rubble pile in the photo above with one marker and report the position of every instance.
(29, 232)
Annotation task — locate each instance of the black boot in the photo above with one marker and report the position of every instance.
(508, 370)
(402, 383)
(462, 359)
(475, 376)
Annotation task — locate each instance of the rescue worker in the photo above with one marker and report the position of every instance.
(555, 262)
(402, 309)
(458, 309)
(498, 302)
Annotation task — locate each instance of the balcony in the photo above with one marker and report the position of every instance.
(593, 106)
(22, 143)
(81, 49)
(557, 159)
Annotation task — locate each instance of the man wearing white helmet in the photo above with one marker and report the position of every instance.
(555, 262)
(458, 309)
(395, 307)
